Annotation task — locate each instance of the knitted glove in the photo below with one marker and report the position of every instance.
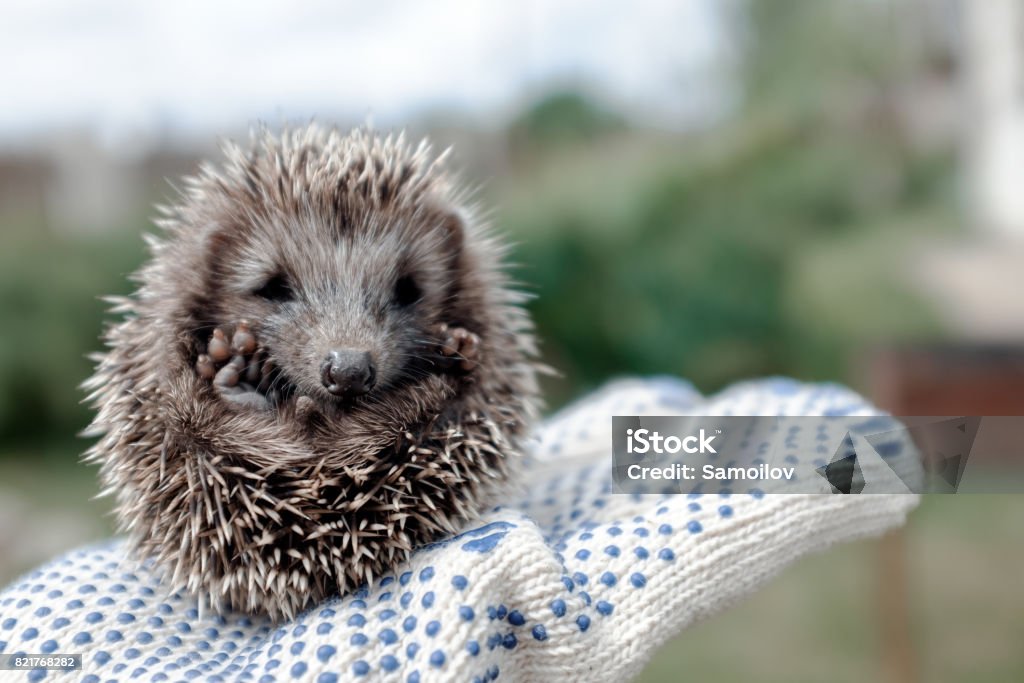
(564, 582)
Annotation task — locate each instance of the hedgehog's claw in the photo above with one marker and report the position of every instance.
(460, 347)
(229, 375)
(205, 367)
(305, 408)
(243, 341)
(236, 366)
(219, 348)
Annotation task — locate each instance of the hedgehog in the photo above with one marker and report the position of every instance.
(325, 365)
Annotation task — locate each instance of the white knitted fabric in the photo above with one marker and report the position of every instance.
(564, 582)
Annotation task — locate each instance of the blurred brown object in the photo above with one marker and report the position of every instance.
(953, 379)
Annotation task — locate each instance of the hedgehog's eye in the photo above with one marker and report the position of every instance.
(276, 288)
(407, 292)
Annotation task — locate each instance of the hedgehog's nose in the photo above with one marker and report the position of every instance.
(347, 372)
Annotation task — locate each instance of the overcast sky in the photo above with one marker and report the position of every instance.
(125, 67)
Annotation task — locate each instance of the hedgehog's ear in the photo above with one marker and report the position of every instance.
(453, 230)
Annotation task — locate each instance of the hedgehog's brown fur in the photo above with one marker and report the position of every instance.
(268, 511)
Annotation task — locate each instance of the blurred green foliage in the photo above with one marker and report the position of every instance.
(560, 118)
(776, 243)
(693, 270)
(50, 289)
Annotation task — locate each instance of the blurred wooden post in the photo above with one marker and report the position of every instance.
(899, 658)
(898, 661)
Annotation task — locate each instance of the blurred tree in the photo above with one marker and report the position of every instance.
(562, 117)
(50, 289)
(703, 256)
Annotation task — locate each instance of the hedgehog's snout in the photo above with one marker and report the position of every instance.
(348, 372)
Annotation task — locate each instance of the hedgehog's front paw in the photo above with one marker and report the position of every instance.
(237, 367)
(459, 347)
